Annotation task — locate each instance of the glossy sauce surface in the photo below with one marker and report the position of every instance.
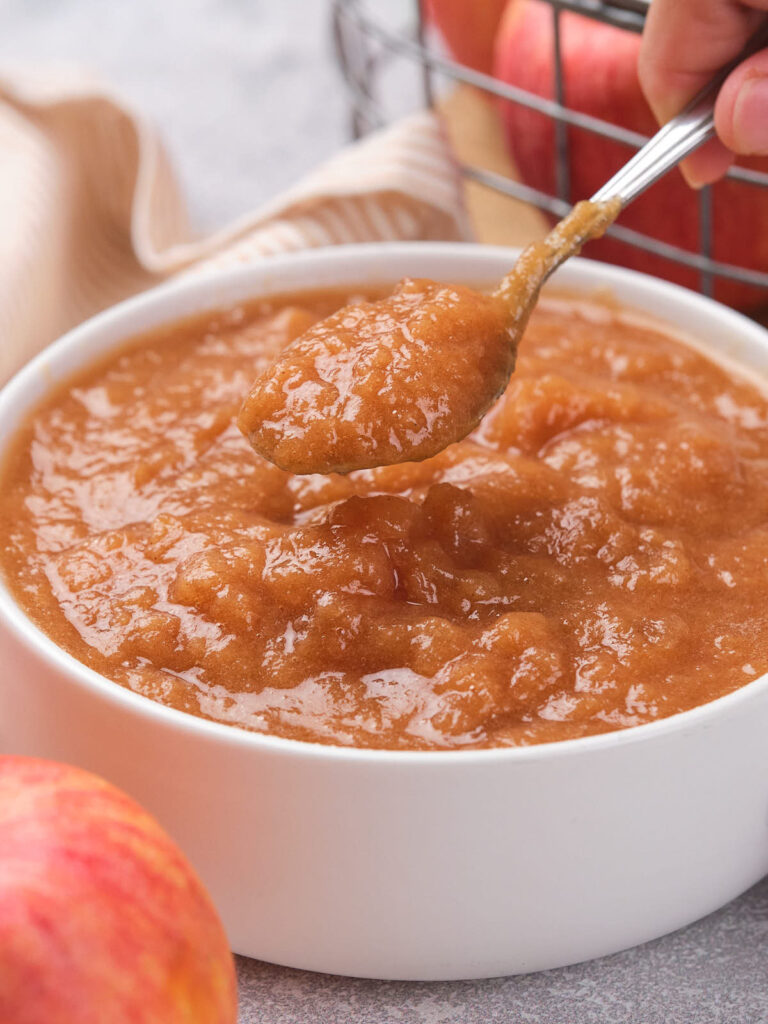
(593, 557)
(394, 380)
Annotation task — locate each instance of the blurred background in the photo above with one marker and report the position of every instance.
(249, 95)
(245, 93)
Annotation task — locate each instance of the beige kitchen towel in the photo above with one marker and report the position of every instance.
(90, 210)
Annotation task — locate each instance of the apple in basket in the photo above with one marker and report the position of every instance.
(468, 29)
(101, 917)
(600, 78)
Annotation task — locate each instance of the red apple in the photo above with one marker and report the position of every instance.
(600, 78)
(468, 28)
(102, 920)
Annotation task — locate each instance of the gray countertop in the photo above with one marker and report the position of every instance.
(247, 97)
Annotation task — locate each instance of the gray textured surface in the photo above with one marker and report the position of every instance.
(247, 97)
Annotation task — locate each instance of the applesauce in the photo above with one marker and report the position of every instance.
(594, 556)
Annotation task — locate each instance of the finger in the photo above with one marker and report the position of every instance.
(741, 110)
(685, 42)
(707, 164)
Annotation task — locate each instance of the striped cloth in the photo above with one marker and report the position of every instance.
(91, 211)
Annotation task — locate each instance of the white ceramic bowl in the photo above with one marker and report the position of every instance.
(413, 865)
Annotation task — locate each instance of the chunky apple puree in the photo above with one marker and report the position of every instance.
(593, 557)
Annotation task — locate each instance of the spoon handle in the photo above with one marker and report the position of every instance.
(692, 127)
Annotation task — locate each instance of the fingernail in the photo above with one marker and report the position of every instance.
(750, 115)
(707, 165)
(691, 178)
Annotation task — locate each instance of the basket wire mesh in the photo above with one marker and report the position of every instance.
(366, 44)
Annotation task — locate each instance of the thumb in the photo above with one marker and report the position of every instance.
(741, 111)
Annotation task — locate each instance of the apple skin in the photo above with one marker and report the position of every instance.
(101, 917)
(468, 28)
(600, 78)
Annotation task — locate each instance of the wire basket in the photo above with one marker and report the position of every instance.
(368, 44)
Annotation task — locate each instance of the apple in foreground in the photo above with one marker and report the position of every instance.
(600, 78)
(101, 917)
(468, 29)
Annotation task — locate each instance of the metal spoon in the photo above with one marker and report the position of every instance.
(680, 137)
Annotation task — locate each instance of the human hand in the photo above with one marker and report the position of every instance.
(685, 42)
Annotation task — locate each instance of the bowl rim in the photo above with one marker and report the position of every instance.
(260, 276)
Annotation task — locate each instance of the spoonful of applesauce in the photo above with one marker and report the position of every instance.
(401, 378)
